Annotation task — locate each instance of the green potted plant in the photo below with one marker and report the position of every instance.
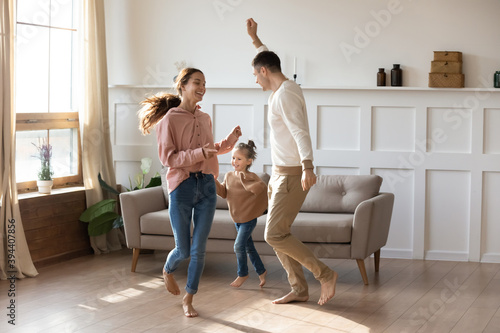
(45, 173)
(102, 216)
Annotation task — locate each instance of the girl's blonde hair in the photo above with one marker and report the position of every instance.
(155, 107)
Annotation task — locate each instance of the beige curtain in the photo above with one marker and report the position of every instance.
(96, 144)
(15, 258)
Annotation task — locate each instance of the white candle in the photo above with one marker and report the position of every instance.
(295, 65)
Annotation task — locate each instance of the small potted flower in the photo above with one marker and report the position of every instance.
(45, 181)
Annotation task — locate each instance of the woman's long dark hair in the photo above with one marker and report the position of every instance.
(155, 107)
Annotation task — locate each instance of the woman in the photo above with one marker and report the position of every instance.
(186, 146)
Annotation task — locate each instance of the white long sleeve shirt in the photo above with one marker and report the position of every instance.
(287, 116)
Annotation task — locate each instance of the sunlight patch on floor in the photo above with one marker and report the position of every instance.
(122, 295)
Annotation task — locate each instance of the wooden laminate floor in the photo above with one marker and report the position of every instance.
(100, 294)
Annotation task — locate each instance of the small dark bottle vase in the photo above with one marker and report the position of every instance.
(396, 76)
(381, 77)
(496, 79)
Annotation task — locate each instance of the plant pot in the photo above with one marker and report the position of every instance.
(44, 186)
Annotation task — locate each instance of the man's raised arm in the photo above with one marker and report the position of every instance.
(252, 32)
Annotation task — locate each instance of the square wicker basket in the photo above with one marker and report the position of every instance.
(446, 80)
(446, 67)
(447, 56)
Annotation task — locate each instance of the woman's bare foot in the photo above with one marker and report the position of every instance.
(262, 279)
(187, 306)
(170, 283)
(239, 281)
(328, 289)
(290, 297)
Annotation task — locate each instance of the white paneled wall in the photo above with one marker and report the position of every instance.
(438, 151)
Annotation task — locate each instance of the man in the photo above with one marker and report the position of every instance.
(293, 175)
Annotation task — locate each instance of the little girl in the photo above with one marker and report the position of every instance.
(246, 196)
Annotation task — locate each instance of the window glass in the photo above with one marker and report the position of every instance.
(56, 13)
(62, 14)
(64, 160)
(46, 72)
(60, 70)
(65, 151)
(32, 72)
(33, 11)
(27, 165)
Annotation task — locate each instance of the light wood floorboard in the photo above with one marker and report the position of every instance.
(100, 294)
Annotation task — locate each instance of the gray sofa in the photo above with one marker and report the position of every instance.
(342, 217)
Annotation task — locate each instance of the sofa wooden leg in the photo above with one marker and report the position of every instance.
(362, 270)
(376, 257)
(135, 257)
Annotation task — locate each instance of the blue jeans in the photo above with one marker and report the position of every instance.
(243, 245)
(194, 199)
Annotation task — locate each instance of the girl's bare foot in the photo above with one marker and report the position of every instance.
(262, 279)
(239, 281)
(328, 289)
(170, 283)
(290, 297)
(187, 306)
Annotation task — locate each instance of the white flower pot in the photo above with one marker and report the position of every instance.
(44, 186)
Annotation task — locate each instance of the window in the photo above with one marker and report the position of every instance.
(46, 93)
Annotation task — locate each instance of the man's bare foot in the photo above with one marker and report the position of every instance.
(328, 289)
(170, 283)
(290, 297)
(262, 279)
(239, 281)
(187, 306)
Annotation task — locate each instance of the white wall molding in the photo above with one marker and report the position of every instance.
(436, 150)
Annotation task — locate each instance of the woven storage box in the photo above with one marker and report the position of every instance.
(446, 67)
(447, 56)
(446, 80)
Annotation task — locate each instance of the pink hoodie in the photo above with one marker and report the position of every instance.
(181, 136)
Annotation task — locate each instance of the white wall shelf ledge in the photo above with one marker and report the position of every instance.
(387, 88)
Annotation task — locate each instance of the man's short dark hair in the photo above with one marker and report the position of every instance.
(267, 59)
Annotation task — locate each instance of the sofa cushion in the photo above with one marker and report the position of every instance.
(312, 227)
(341, 194)
(323, 227)
(221, 202)
(156, 223)
(164, 185)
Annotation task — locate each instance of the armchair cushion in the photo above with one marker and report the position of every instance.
(341, 194)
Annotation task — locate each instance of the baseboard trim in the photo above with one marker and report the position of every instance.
(396, 253)
(446, 256)
(62, 257)
(491, 258)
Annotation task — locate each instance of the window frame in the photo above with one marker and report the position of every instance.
(49, 121)
(33, 121)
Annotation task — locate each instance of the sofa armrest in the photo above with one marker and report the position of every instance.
(136, 203)
(371, 223)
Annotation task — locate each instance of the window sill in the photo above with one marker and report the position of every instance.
(54, 191)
